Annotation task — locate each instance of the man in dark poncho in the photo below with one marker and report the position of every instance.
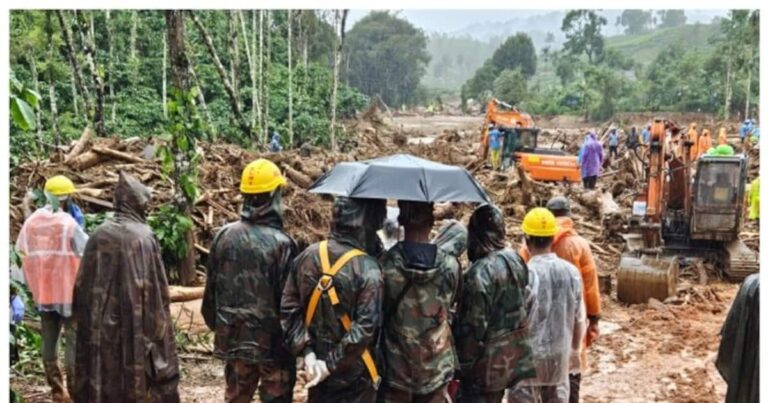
(738, 359)
(331, 305)
(247, 269)
(126, 348)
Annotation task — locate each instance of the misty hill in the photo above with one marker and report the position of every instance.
(644, 47)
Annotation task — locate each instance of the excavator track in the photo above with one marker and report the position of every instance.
(739, 261)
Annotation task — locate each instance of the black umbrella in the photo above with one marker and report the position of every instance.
(401, 177)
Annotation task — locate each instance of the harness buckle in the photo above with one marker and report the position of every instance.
(325, 282)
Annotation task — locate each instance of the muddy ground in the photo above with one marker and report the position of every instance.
(647, 352)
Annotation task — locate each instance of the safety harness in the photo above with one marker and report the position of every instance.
(325, 285)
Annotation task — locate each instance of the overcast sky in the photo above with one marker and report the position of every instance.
(447, 21)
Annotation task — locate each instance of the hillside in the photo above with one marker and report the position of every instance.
(644, 47)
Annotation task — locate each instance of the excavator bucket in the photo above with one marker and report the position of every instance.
(642, 278)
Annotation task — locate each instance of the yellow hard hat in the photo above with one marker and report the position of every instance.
(60, 185)
(539, 222)
(261, 176)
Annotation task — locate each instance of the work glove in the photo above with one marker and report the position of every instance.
(320, 372)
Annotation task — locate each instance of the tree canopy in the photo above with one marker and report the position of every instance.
(582, 29)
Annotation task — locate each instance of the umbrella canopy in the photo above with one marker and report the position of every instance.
(401, 177)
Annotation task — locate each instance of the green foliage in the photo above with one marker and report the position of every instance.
(635, 21)
(93, 220)
(23, 101)
(386, 56)
(169, 226)
(517, 52)
(29, 344)
(672, 18)
(511, 86)
(454, 60)
(582, 33)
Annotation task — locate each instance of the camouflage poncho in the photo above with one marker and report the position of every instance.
(126, 350)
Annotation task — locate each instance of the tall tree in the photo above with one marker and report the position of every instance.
(233, 98)
(516, 51)
(51, 82)
(183, 143)
(110, 68)
(290, 81)
(89, 48)
(671, 18)
(635, 21)
(341, 22)
(583, 35)
(72, 56)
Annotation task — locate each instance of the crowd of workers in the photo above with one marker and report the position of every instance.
(361, 320)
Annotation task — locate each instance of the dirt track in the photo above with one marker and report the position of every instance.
(645, 353)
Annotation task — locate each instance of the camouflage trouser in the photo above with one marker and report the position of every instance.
(243, 378)
(359, 392)
(394, 395)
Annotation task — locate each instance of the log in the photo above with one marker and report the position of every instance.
(90, 192)
(96, 201)
(85, 161)
(79, 146)
(297, 177)
(184, 294)
(608, 206)
(202, 249)
(117, 154)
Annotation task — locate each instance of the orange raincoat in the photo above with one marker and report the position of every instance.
(570, 246)
(693, 137)
(722, 137)
(705, 143)
(50, 264)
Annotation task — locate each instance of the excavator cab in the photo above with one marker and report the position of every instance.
(718, 194)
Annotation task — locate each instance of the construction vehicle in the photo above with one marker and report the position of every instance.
(520, 145)
(679, 222)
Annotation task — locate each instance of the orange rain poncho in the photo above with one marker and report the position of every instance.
(722, 137)
(569, 246)
(693, 137)
(705, 143)
(47, 244)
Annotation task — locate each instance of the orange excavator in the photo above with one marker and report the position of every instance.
(688, 212)
(520, 145)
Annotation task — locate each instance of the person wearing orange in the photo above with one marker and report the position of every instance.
(722, 137)
(693, 137)
(571, 247)
(704, 143)
(51, 244)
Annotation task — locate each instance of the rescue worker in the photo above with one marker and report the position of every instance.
(51, 244)
(693, 137)
(452, 238)
(745, 130)
(738, 358)
(613, 143)
(590, 160)
(274, 144)
(704, 144)
(574, 249)
(557, 321)
(632, 139)
(722, 137)
(125, 334)
(421, 285)
(647, 135)
(331, 305)
(493, 340)
(754, 201)
(494, 143)
(247, 269)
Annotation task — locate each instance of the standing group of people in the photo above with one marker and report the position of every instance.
(359, 321)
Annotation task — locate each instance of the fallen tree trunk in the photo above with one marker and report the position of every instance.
(184, 294)
(79, 146)
(118, 154)
(85, 161)
(297, 177)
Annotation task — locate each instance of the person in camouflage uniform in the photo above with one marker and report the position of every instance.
(247, 269)
(332, 354)
(492, 337)
(421, 284)
(126, 346)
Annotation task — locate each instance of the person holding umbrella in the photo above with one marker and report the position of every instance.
(421, 284)
(331, 305)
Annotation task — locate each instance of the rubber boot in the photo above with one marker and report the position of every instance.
(56, 381)
(70, 372)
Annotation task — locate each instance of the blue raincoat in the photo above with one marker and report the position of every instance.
(590, 156)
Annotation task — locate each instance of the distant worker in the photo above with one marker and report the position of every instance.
(557, 322)
(705, 143)
(590, 160)
(126, 340)
(647, 135)
(494, 143)
(574, 249)
(633, 139)
(754, 201)
(493, 340)
(693, 137)
(421, 286)
(257, 248)
(738, 358)
(745, 130)
(331, 305)
(51, 244)
(613, 144)
(274, 144)
(722, 137)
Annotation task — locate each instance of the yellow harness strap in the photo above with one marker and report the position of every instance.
(325, 284)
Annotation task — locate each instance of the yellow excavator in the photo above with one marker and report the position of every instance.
(520, 145)
(681, 217)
